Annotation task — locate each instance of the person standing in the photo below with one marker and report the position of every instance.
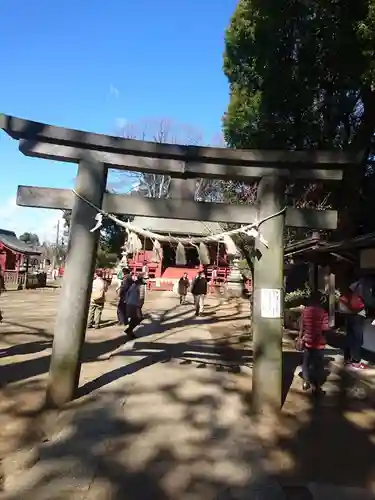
(145, 270)
(126, 283)
(2, 289)
(353, 306)
(183, 287)
(313, 326)
(97, 301)
(199, 291)
(135, 298)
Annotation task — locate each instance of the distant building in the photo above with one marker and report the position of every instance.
(14, 253)
(16, 256)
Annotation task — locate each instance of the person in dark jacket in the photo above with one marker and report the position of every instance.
(135, 298)
(126, 283)
(183, 287)
(199, 291)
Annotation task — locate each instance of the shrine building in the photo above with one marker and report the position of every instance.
(15, 257)
(164, 272)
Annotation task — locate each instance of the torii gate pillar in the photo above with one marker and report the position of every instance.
(268, 299)
(75, 295)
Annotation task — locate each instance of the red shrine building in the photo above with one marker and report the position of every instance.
(15, 255)
(166, 272)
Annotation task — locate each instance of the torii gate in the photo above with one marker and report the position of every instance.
(95, 153)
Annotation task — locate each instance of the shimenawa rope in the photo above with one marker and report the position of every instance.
(251, 230)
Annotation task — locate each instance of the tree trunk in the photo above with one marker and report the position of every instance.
(349, 211)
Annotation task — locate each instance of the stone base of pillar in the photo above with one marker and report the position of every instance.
(235, 285)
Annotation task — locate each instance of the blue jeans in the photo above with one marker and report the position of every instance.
(313, 366)
(121, 313)
(354, 338)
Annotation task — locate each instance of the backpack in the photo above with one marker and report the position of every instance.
(354, 303)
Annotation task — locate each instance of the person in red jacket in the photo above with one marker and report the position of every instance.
(314, 325)
(354, 308)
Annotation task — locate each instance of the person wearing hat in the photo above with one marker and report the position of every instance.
(199, 292)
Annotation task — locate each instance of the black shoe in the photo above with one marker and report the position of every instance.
(90, 326)
(130, 334)
(306, 386)
(318, 391)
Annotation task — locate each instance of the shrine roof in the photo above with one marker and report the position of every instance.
(10, 240)
(177, 227)
(314, 245)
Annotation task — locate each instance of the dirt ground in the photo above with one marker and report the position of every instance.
(331, 440)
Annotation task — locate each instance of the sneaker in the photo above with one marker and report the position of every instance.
(130, 334)
(359, 366)
(318, 391)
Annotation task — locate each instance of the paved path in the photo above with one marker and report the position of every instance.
(164, 417)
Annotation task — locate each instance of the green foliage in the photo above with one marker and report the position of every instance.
(302, 76)
(112, 238)
(245, 268)
(298, 296)
(297, 71)
(31, 239)
(105, 260)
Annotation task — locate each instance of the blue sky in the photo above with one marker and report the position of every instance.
(93, 65)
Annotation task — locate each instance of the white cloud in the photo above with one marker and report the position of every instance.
(114, 91)
(40, 221)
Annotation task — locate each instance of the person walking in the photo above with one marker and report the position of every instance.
(353, 306)
(97, 301)
(126, 283)
(313, 326)
(135, 298)
(183, 287)
(199, 291)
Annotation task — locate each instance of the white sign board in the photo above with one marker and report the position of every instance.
(270, 303)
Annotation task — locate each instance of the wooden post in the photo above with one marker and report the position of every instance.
(268, 300)
(331, 300)
(313, 276)
(26, 273)
(74, 300)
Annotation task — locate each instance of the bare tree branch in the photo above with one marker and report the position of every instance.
(153, 185)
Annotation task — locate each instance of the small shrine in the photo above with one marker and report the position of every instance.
(14, 253)
(15, 257)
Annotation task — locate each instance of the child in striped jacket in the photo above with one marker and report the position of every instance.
(313, 326)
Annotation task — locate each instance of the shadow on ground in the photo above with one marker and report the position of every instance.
(186, 431)
(191, 437)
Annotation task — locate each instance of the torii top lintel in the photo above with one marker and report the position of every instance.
(58, 143)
